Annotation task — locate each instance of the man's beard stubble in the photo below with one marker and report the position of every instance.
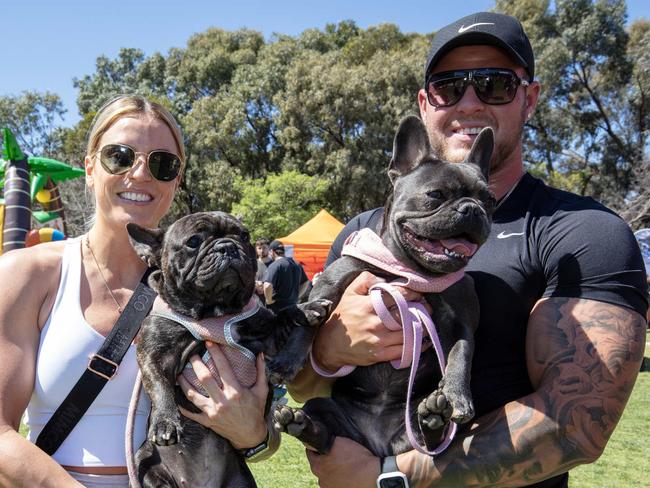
(503, 149)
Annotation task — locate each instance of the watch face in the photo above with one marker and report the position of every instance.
(396, 482)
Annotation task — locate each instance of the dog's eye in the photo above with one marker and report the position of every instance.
(194, 241)
(245, 236)
(435, 194)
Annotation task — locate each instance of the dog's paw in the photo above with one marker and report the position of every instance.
(289, 420)
(461, 404)
(435, 411)
(316, 311)
(164, 432)
(281, 372)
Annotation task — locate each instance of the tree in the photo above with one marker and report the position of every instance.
(589, 133)
(337, 113)
(277, 206)
(326, 104)
(130, 72)
(33, 118)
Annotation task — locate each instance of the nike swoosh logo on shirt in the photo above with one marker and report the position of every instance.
(463, 28)
(503, 235)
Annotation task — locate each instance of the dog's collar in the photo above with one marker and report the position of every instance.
(219, 331)
(367, 246)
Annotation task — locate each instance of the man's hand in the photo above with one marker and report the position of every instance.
(259, 288)
(232, 411)
(267, 289)
(354, 334)
(348, 464)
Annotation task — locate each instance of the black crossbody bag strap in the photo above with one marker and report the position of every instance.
(102, 366)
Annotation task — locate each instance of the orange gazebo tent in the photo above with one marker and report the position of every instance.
(311, 242)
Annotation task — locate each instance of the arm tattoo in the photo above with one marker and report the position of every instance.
(583, 358)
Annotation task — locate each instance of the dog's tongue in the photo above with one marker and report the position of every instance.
(461, 246)
(434, 247)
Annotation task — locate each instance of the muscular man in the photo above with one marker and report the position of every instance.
(561, 287)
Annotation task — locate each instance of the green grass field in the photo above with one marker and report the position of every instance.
(625, 463)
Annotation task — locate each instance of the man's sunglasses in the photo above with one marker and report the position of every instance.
(117, 159)
(493, 86)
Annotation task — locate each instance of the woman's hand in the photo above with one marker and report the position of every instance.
(232, 411)
(354, 334)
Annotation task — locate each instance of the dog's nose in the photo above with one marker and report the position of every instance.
(469, 208)
(226, 247)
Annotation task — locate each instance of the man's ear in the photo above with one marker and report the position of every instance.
(146, 242)
(410, 146)
(481, 151)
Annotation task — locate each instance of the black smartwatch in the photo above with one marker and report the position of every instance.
(391, 476)
(254, 453)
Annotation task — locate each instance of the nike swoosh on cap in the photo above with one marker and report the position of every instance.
(503, 235)
(463, 28)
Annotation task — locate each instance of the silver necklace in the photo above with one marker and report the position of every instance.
(505, 197)
(119, 306)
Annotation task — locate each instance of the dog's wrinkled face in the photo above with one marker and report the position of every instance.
(440, 212)
(206, 263)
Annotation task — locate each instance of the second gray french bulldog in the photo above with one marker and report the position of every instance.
(433, 201)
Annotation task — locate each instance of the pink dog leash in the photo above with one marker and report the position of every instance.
(368, 246)
(415, 320)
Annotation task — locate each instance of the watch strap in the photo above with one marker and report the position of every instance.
(253, 453)
(389, 464)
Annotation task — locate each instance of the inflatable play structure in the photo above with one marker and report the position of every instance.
(311, 242)
(26, 182)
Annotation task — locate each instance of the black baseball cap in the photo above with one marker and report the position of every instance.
(481, 28)
(276, 246)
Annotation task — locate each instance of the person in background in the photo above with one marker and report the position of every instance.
(263, 260)
(284, 281)
(643, 238)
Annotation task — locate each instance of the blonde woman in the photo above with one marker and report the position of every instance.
(59, 301)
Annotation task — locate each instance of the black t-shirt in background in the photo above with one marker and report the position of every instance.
(544, 243)
(286, 276)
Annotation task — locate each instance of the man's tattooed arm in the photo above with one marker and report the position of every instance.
(583, 358)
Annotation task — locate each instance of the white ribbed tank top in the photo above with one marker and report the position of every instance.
(66, 343)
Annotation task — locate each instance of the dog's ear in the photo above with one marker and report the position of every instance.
(155, 281)
(410, 146)
(481, 151)
(146, 242)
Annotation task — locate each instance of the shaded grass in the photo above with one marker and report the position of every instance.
(288, 468)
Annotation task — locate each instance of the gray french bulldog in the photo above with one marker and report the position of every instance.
(433, 201)
(207, 268)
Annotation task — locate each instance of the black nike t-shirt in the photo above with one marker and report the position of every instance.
(544, 242)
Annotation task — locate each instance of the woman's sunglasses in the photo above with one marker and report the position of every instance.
(117, 159)
(493, 86)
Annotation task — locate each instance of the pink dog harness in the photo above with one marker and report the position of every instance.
(415, 320)
(219, 331)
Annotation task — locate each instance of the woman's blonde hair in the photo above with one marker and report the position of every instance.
(127, 106)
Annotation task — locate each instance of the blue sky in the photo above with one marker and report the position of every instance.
(45, 44)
